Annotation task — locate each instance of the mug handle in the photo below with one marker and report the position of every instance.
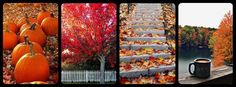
(189, 68)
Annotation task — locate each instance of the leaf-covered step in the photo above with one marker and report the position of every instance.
(145, 57)
(149, 21)
(147, 26)
(136, 46)
(148, 14)
(144, 19)
(153, 31)
(148, 11)
(133, 73)
(163, 39)
(153, 71)
(147, 4)
(150, 71)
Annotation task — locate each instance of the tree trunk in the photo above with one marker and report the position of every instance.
(102, 70)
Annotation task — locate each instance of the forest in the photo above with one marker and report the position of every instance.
(194, 36)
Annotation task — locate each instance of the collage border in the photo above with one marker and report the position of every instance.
(117, 84)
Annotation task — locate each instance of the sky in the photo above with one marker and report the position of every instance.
(203, 14)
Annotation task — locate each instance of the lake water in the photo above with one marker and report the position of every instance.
(187, 55)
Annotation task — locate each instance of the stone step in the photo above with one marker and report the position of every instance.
(140, 6)
(133, 73)
(147, 24)
(153, 31)
(146, 15)
(150, 72)
(163, 39)
(144, 19)
(145, 56)
(150, 26)
(145, 9)
(153, 71)
(148, 5)
(149, 21)
(137, 46)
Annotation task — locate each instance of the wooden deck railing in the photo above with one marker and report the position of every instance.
(217, 72)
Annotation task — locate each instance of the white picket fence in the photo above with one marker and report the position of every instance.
(87, 76)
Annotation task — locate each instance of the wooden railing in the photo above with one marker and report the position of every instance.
(87, 76)
(216, 73)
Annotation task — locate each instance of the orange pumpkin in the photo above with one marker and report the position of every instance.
(11, 26)
(35, 82)
(9, 39)
(26, 25)
(24, 48)
(34, 33)
(23, 21)
(50, 25)
(43, 14)
(32, 67)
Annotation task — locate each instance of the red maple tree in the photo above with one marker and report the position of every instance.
(89, 32)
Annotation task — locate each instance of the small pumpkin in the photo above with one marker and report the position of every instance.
(23, 21)
(35, 34)
(35, 82)
(43, 14)
(31, 67)
(9, 39)
(24, 48)
(11, 26)
(50, 25)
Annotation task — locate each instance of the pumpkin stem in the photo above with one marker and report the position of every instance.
(33, 26)
(52, 15)
(26, 16)
(31, 49)
(27, 20)
(26, 40)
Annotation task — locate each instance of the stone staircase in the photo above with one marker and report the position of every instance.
(146, 21)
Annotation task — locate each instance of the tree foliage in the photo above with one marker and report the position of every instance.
(192, 36)
(222, 42)
(88, 31)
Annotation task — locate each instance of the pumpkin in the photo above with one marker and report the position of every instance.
(9, 39)
(23, 21)
(34, 33)
(24, 48)
(35, 82)
(43, 14)
(50, 25)
(27, 25)
(11, 26)
(31, 67)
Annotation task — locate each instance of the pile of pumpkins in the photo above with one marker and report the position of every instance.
(27, 56)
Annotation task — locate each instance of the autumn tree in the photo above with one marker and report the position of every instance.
(89, 32)
(222, 43)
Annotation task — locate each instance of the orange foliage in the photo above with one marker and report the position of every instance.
(223, 46)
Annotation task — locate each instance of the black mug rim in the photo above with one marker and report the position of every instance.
(208, 60)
